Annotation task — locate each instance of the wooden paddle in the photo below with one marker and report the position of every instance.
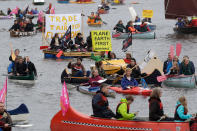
(12, 52)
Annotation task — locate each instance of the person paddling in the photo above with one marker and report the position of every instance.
(187, 67)
(119, 27)
(100, 103)
(122, 110)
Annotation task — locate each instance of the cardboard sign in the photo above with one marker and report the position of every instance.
(147, 13)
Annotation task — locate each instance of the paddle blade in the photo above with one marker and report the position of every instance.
(59, 54)
(161, 78)
(172, 51)
(116, 35)
(133, 13)
(178, 49)
(43, 47)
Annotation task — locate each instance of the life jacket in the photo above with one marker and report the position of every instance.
(103, 100)
(159, 102)
(77, 67)
(176, 116)
(132, 29)
(144, 28)
(118, 115)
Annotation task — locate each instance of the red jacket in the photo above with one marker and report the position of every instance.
(93, 81)
(194, 23)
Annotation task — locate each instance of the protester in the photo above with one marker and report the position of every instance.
(5, 118)
(79, 42)
(122, 110)
(99, 67)
(111, 55)
(30, 26)
(15, 27)
(119, 27)
(128, 58)
(144, 27)
(100, 103)
(129, 24)
(180, 23)
(174, 69)
(91, 18)
(187, 67)
(78, 69)
(30, 66)
(137, 19)
(9, 11)
(97, 18)
(2, 13)
(100, 57)
(156, 112)
(167, 64)
(16, 53)
(21, 68)
(128, 81)
(55, 42)
(136, 72)
(181, 110)
(89, 42)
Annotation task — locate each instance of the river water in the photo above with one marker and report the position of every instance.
(42, 98)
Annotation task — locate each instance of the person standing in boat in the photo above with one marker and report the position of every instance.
(136, 72)
(187, 67)
(144, 27)
(55, 42)
(93, 81)
(15, 27)
(30, 67)
(122, 110)
(128, 81)
(119, 27)
(78, 69)
(100, 103)
(5, 118)
(181, 110)
(156, 112)
(99, 67)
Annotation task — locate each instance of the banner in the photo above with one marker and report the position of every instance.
(64, 99)
(101, 40)
(59, 23)
(147, 13)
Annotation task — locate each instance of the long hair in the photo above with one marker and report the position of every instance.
(156, 93)
(183, 102)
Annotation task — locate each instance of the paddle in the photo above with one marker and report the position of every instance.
(178, 49)
(29, 125)
(161, 78)
(59, 54)
(12, 53)
(101, 81)
(44, 47)
(104, 22)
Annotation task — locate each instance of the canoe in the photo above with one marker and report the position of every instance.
(141, 35)
(186, 30)
(98, 24)
(38, 2)
(180, 81)
(31, 16)
(29, 79)
(150, 25)
(6, 17)
(19, 114)
(133, 91)
(22, 34)
(66, 55)
(103, 11)
(82, 2)
(63, 1)
(86, 90)
(76, 121)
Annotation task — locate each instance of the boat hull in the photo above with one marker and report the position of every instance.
(28, 77)
(50, 54)
(103, 11)
(75, 121)
(6, 17)
(85, 90)
(186, 30)
(181, 82)
(143, 35)
(63, 2)
(133, 91)
(22, 34)
(38, 3)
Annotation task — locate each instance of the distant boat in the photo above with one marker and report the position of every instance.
(181, 8)
(38, 2)
(63, 1)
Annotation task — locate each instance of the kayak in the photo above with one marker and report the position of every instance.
(103, 11)
(76, 121)
(141, 35)
(186, 30)
(31, 16)
(180, 81)
(133, 91)
(38, 2)
(98, 24)
(66, 55)
(63, 1)
(27, 77)
(19, 114)
(21, 34)
(86, 90)
(82, 2)
(6, 17)
(150, 25)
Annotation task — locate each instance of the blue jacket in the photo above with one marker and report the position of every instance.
(125, 82)
(180, 112)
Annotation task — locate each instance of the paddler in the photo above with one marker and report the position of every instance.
(99, 67)
(15, 27)
(119, 27)
(136, 72)
(55, 42)
(5, 119)
(122, 110)
(100, 103)
(128, 58)
(187, 67)
(91, 18)
(100, 57)
(127, 81)
(194, 22)
(97, 18)
(132, 29)
(78, 70)
(144, 27)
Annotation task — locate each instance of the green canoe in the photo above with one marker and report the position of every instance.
(142, 35)
(180, 81)
(28, 77)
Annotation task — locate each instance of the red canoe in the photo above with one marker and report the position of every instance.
(133, 91)
(75, 121)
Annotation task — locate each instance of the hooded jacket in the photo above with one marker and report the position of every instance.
(180, 113)
(125, 82)
(122, 111)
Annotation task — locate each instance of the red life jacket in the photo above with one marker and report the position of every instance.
(132, 29)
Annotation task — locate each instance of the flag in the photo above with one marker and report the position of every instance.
(144, 84)
(172, 51)
(25, 11)
(64, 100)
(40, 17)
(14, 11)
(127, 42)
(47, 11)
(53, 10)
(3, 92)
(67, 36)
